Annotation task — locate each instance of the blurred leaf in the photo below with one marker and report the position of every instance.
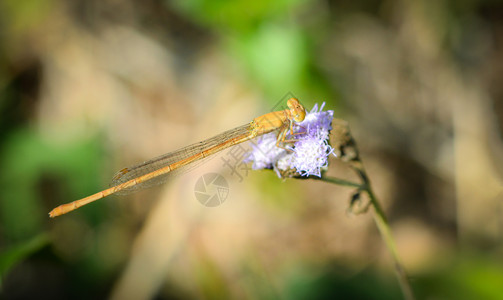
(16, 254)
(464, 278)
(275, 56)
(34, 169)
(337, 282)
(238, 15)
(23, 15)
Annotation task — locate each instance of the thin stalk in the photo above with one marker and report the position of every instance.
(338, 181)
(382, 225)
(385, 230)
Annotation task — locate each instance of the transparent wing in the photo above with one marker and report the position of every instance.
(162, 161)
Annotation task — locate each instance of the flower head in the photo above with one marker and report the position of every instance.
(306, 156)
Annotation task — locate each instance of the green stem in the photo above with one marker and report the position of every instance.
(382, 225)
(339, 181)
(385, 230)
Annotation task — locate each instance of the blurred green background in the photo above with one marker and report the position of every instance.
(89, 87)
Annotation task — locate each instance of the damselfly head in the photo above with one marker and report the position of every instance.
(297, 111)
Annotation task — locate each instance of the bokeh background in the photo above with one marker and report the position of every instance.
(89, 87)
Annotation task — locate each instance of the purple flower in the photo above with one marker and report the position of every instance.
(309, 153)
